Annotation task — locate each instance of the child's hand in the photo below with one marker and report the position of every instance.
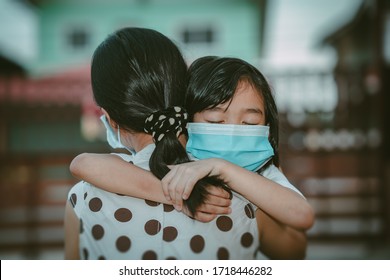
(177, 185)
(217, 203)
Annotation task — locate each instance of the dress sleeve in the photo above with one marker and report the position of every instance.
(76, 196)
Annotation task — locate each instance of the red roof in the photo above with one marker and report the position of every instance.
(70, 87)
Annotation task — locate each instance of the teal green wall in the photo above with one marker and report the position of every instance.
(45, 137)
(236, 23)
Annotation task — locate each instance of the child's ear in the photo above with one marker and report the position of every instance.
(112, 123)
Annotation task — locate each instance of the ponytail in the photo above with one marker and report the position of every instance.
(166, 126)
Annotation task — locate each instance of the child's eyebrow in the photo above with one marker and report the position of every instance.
(254, 111)
(217, 109)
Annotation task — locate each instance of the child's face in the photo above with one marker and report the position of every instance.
(246, 107)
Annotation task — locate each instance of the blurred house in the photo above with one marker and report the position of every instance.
(334, 145)
(47, 114)
(70, 30)
(362, 75)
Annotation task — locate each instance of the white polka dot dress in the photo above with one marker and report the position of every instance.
(114, 226)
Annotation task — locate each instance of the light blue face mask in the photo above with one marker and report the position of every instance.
(114, 140)
(244, 145)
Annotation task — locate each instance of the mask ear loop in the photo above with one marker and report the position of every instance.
(119, 136)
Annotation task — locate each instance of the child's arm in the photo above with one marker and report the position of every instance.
(113, 174)
(283, 204)
(278, 241)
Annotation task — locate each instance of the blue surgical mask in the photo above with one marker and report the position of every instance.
(244, 145)
(114, 139)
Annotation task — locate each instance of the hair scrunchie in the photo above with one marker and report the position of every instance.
(173, 119)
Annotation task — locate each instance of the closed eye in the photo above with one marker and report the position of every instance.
(214, 121)
(246, 123)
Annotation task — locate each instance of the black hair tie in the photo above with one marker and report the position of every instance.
(173, 119)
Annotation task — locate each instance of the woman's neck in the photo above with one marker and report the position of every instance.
(140, 140)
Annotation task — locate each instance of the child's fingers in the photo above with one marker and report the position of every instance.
(170, 184)
(218, 201)
(189, 186)
(218, 191)
(175, 190)
(165, 183)
(214, 209)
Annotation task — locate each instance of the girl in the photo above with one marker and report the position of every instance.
(230, 91)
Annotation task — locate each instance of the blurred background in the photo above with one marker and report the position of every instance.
(328, 62)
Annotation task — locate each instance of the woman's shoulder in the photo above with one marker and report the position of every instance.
(77, 190)
(125, 157)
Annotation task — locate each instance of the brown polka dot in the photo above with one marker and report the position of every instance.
(223, 254)
(152, 203)
(123, 215)
(85, 253)
(97, 232)
(101, 258)
(95, 204)
(169, 234)
(152, 227)
(168, 208)
(249, 211)
(149, 255)
(81, 226)
(246, 239)
(123, 243)
(171, 258)
(73, 199)
(197, 244)
(224, 223)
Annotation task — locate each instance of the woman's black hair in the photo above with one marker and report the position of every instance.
(136, 72)
(213, 80)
